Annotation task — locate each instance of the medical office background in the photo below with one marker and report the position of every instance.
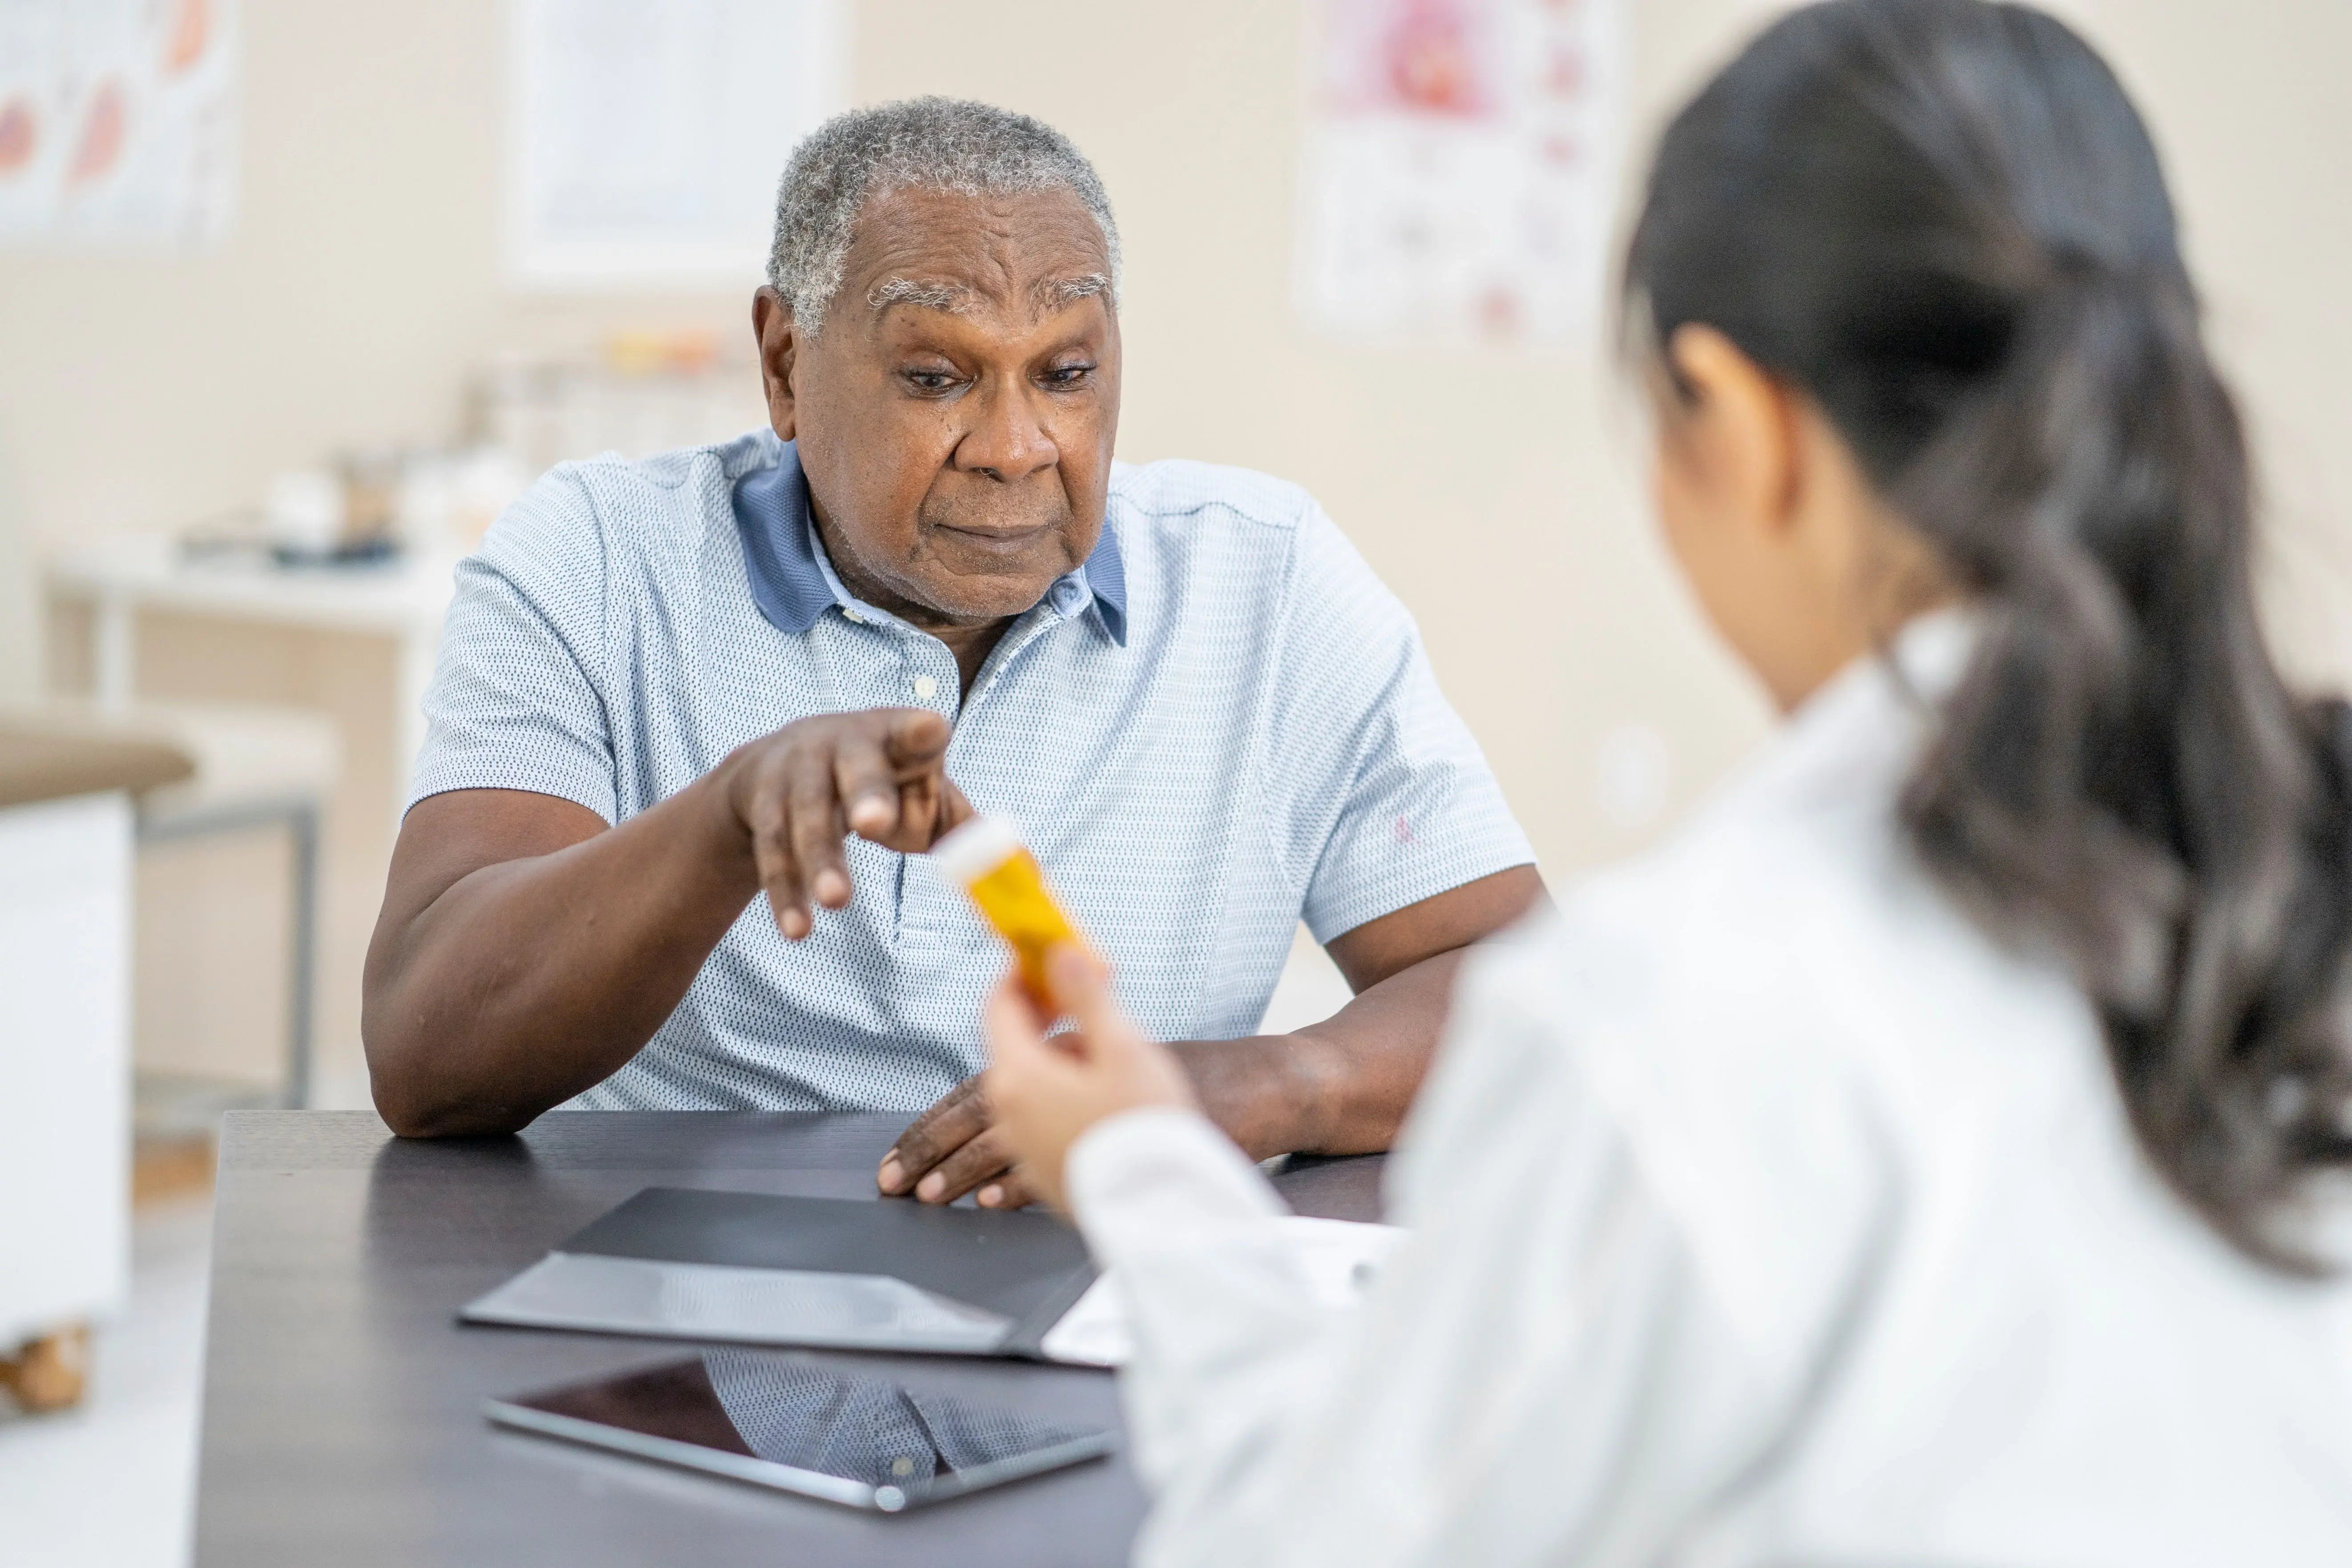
(363, 293)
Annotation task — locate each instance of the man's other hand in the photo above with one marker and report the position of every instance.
(796, 794)
(1060, 1088)
(951, 1149)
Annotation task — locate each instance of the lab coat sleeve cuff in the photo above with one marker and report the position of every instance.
(1152, 1180)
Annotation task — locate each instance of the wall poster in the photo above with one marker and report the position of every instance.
(1458, 173)
(648, 135)
(118, 122)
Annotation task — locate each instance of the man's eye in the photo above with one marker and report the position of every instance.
(1069, 374)
(930, 380)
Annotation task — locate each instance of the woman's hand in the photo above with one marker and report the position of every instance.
(1046, 1092)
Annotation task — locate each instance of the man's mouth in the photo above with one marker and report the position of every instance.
(1006, 540)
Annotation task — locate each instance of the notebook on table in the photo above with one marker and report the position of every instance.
(853, 1274)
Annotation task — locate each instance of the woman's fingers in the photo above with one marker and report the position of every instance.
(1081, 984)
(1027, 1078)
(1010, 1023)
(1010, 1190)
(1021, 1061)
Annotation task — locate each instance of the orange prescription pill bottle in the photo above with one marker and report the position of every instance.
(987, 857)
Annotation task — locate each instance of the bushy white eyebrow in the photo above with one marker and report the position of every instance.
(1060, 293)
(1048, 296)
(953, 298)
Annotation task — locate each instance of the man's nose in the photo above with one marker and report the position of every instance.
(1007, 442)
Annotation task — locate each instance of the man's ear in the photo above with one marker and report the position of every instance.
(1741, 424)
(779, 343)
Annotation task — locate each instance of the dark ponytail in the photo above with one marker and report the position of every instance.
(1944, 220)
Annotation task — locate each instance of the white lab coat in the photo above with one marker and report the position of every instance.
(1762, 1211)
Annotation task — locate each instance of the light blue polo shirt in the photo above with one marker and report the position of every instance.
(1222, 722)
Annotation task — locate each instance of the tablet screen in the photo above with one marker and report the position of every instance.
(796, 1424)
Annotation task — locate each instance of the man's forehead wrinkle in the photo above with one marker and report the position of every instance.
(927, 234)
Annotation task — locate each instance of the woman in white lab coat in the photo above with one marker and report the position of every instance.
(1926, 1156)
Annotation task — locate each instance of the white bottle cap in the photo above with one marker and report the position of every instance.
(976, 848)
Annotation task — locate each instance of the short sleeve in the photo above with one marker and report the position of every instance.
(517, 699)
(1378, 794)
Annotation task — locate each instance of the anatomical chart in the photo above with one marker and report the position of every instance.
(118, 122)
(1458, 178)
(647, 134)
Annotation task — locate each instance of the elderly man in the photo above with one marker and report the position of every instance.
(787, 664)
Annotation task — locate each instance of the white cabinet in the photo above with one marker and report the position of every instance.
(65, 1062)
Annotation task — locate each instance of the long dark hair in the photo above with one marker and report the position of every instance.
(1943, 221)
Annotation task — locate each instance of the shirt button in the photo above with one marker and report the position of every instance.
(853, 617)
(926, 688)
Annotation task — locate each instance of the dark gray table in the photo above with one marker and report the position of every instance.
(342, 1405)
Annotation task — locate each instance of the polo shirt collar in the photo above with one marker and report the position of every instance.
(794, 586)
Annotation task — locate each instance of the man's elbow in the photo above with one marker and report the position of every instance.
(410, 1115)
(414, 1101)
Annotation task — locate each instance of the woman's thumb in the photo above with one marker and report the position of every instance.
(1081, 984)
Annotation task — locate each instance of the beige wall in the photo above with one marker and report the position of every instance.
(1494, 490)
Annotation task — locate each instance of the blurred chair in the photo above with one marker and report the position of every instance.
(256, 767)
(252, 767)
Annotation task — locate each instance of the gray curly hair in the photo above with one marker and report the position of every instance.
(918, 143)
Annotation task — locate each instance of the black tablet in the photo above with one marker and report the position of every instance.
(766, 1269)
(798, 1425)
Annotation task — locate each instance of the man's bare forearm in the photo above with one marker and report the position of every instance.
(525, 981)
(1340, 1087)
(526, 952)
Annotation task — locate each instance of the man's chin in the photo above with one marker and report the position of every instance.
(985, 598)
(976, 582)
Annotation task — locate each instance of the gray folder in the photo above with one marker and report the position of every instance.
(755, 1268)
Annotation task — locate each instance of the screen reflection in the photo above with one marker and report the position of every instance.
(790, 1411)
